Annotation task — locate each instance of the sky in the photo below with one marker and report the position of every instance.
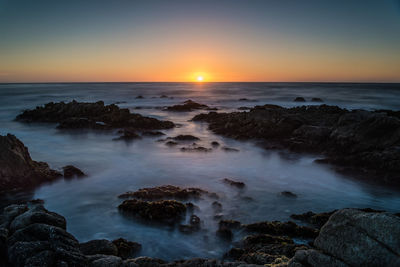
(222, 41)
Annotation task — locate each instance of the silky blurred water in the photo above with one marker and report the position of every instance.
(113, 167)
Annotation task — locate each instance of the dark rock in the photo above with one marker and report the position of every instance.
(76, 115)
(163, 96)
(37, 214)
(139, 97)
(171, 143)
(316, 219)
(166, 192)
(126, 249)
(163, 211)
(71, 171)
(214, 143)
(152, 133)
(225, 233)
(288, 194)
(361, 238)
(244, 108)
(188, 105)
(105, 261)
(145, 262)
(196, 149)
(299, 99)
(230, 149)
(360, 141)
(17, 169)
(100, 246)
(316, 99)
(230, 224)
(282, 229)
(233, 183)
(128, 134)
(184, 137)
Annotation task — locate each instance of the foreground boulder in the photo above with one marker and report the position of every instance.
(80, 115)
(17, 169)
(361, 141)
(354, 237)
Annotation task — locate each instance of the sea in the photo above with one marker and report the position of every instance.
(90, 204)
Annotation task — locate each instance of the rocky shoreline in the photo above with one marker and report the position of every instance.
(363, 142)
(30, 235)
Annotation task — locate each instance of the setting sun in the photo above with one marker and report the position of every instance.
(199, 78)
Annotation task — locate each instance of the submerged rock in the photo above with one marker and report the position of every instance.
(80, 115)
(230, 149)
(71, 171)
(188, 105)
(316, 99)
(288, 194)
(128, 134)
(162, 211)
(233, 183)
(152, 133)
(360, 141)
(17, 169)
(299, 99)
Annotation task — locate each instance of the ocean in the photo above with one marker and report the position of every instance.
(90, 204)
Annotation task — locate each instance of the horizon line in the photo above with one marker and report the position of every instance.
(195, 82)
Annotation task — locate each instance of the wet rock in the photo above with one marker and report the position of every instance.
(312, 257)
(171, 143)
(214, 143)
(37, 214)
(72, 171)
(17, 169)
(264, 249)
(139, 97)
(166, 192)
(247, 100)
(316, 99)
(163, 211)
(184, 137)
(145, 262)
(244, 108)
(233, 183)
(152, 133)
(10, 212)
(288, 194)
(188, 105)
(299, 99)
(282, 229)
(126, 249)
(359, 141)
(100, 246)
(80, 115)
(316, 219)
(105, 261)
(163, 96)
(230, 149)
(196, 149)
(128, 134)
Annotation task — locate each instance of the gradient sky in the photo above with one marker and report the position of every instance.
(282, 40)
